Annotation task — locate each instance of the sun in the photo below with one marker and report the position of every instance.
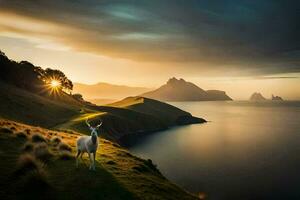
(54, 83)
(54, 86)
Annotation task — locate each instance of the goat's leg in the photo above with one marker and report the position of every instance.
(91, 160)
(77, 157)
(94, 154)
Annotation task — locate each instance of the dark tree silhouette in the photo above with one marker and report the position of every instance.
(78, 97)
(27, 76)
(21, 74)
(50, 74)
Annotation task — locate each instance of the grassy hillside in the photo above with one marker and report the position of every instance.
(63, 112)
(117, 122)
(166, 113)
(39, 163)
(27, 107)
(131, 115)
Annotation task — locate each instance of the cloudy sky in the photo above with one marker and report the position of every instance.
(240, 46)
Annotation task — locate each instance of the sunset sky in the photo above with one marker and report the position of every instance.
(240, 46)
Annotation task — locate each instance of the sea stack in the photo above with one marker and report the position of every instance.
(276, 98)
(256, 96)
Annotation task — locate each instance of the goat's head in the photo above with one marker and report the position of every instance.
(94, 133)
(93, 128)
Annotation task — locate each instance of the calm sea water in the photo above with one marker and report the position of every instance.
(248, 150)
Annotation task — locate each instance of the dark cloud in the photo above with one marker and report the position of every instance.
(254, 35)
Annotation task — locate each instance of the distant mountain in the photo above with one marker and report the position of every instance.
(276, 98)
(102, 101)
(181, 90)
(107, 91)
(256, 96)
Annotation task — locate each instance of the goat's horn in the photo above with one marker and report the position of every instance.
(99, 124)
(87, 123)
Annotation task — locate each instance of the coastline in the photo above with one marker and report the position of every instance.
(131, 139)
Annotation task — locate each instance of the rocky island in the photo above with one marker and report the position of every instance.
(276, 98)
(181, 90)
(256, 96)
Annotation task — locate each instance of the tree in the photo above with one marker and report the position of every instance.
(78, 97)
(32, 78)
(54, 74)
(19, 74)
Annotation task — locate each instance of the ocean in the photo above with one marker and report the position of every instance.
(247, 150)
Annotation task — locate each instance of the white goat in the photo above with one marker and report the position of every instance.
(88, 144)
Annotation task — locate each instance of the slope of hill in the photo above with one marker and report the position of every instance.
(32, 169)
(181, 90)
(36, 163)
(27, 107)
(132, 115)
(167, 113)
(106, 91)
(256, 96)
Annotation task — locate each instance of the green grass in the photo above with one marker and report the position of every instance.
(77, 123)
(162, 111)
(118, 175)
(116, 122)
(23, 106)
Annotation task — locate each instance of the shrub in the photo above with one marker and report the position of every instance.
(28, 147)
(6, 130)
(21, 135)
(55, 140)
(35, 182)
(34, 185)
(37, 138)
(13, 128)
(141, 168)
(65, 155)
(42, 152)
(116, 145)
(27, 131)
(69, 131)
(150, 164)
(64, 147)
(27, 163)
(78, 97)
(111, 162)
